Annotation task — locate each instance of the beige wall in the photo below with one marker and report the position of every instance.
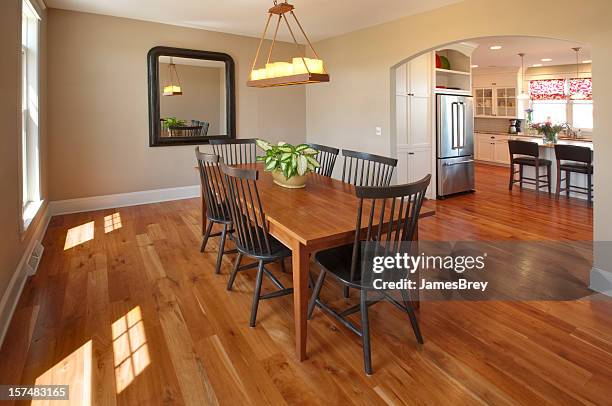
(346, 111)
(201, 95)
(98, 108)
(12, 242)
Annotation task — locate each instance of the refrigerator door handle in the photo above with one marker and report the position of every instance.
(457, 163)
(461, 124)
(454, 114)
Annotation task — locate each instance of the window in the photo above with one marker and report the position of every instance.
(29, 153)
(550, 101)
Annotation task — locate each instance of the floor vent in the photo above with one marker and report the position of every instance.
(35, 257)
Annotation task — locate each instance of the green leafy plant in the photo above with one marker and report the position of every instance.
(549, 130)
(170, 122)
(288, 159)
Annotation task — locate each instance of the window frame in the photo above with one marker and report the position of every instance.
(30, 199)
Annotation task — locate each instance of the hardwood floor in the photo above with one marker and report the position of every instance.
(133, 314)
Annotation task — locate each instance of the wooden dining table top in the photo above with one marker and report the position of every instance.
(324, 209)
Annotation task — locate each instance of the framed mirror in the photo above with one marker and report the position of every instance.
(191, 96)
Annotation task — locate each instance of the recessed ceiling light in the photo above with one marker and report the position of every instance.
(495, 47)
(546, 59)
(536, 65)
(587, 61)
(475, 66)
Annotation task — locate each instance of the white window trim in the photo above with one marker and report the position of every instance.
(30, 208)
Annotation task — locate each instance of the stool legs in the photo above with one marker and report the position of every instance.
(537, 178)
(567, 183)
(511, 176)
(548, 175)
(558, 180)
(589, 190)
(521, 176)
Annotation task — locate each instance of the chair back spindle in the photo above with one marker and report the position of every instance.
(251, 230)
(236, 151)
(391, 216)
(213, 189)
(326, 158)
(363, 169)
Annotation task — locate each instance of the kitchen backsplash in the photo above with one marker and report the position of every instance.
(495, 125)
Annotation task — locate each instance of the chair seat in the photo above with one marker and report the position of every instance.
(577, 167)
(277, 248)
(337, 261)
(530, 161)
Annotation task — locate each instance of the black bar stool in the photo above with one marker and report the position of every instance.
(528, 154)
(578, 160)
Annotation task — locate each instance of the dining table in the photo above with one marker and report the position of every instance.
(319, 216)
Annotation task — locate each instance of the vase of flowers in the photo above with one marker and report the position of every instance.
(289, 164)
(548, 130)
(528, 118)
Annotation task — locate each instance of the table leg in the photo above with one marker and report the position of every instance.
(301, 268)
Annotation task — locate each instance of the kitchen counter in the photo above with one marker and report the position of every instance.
(535, 136)
(541, 143)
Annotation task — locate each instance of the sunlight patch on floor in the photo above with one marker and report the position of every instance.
(75, 371)
(129, 347)
(112, 222)
(79, 234)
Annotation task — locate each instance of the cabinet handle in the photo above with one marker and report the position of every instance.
(492, 138)
(411, 153)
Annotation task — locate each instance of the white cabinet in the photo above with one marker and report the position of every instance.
(497, 102)
(413, 102)
(413, 164)
(413, 109)
(491, 148)
(495, 92)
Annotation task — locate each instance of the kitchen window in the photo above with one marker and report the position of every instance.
(29, 139)
(550, 100)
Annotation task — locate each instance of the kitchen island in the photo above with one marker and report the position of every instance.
(493, 148)
(547, 151)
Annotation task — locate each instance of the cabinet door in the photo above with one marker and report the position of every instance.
(501, 153)
(419, 76)
(419, 134)
(505, 101)
(401, 119)
(401, 79)
(484, 148)
(419, 164)
(483, 101)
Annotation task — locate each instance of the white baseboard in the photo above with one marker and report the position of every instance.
(11, 295)
(601, 281)
(123, 200)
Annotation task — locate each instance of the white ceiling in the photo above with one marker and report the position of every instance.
(534, 48)
(320, 18)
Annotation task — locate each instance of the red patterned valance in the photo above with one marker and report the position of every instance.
(549, 89)
(583, 85)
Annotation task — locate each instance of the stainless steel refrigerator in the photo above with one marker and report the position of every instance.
(455, 144)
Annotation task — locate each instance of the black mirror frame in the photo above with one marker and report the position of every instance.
(155, 140)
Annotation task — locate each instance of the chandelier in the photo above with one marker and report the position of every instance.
(300, 70)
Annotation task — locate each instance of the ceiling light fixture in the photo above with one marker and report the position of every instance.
(172, 89)
(536, 65)
(579, 95)
(587, 61)
(546, 59)
(474, 66)
(495, 47)
(300, 70)
(522, 95)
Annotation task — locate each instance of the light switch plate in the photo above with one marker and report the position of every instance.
(378, 131)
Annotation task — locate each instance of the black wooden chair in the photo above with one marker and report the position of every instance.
(528, 154)
(326, 157)
(236, 151)
(214, 197)
(576, 159)
(204, 126)
(403, 204)
(251, 233)
(363, 169)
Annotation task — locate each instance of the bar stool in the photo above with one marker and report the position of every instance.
(578, 160)
(529, 155)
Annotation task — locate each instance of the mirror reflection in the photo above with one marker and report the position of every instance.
(192, 97)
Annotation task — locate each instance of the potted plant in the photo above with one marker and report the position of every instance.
(173, 122)
(549, 130)
(289, 164)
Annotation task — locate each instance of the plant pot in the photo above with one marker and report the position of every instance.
(550, 138)
(294, 182)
